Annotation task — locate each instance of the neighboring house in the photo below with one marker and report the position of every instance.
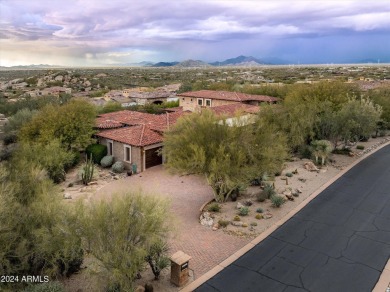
(55, 90)
(196, 100)
(137, 138)
(133, 137)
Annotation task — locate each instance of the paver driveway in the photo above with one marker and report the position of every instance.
(188, 193)
(339, 242)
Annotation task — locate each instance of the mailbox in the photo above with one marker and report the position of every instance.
(179, 268)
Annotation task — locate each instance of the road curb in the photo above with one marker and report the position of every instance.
(381, 282)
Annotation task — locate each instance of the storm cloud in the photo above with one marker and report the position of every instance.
(87, 32)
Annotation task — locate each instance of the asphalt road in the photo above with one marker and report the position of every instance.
(339, 242)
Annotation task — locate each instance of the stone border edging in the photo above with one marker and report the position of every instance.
(385, 274)
(204, 205)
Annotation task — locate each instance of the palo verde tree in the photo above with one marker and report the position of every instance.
(34, 234)
(120, 233)
(72, 124)
(229, 155)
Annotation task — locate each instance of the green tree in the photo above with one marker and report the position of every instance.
(72, 124)
(229, 155)
(381, 96)
(358, 119)
(119, 233)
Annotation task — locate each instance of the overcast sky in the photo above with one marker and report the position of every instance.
(102, 32)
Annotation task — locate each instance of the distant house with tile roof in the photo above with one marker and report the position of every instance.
(196, 100)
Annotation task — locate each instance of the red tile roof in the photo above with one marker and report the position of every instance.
(231, 109)
(142, 128)
(228, 95)
(140, 135)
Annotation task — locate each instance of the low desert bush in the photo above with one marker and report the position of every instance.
(277, 201)
(98, 151)
(118, 167)
(214, 207)
(259, 210)
(223, 223)
(243, 211)
(107, 161)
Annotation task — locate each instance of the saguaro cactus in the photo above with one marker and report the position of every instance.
(88, 169)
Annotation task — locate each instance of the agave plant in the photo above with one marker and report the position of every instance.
(321, 149)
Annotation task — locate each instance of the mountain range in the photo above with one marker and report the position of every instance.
(238, 61)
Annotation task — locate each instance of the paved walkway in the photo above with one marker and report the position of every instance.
(187, 194)
(339, 242)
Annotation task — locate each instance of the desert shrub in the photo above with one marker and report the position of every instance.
(244, 225)
(342, 151)
(107, 161)
(277, 201)
(10, 138)
(269, 191)
(305, 151)
(360, 147)
(289, 174)
(6, 153)
(214, 207)
(223, 223)
(118, 167)
(236, 218)
(259, 210)
(253, 223)
(98, 151)
(255, 182)
(76, 158)
(243, 211)
(52, 157)
(54, 286)
(259, 216)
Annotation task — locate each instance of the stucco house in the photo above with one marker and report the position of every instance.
(134, 137)
(196, 100)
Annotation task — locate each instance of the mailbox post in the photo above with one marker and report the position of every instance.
(179, 268)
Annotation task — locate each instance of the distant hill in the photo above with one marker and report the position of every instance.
(238, 60)
(33, 66)
(192, 63)
(165, 64)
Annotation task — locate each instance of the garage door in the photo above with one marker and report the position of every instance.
(152, 158)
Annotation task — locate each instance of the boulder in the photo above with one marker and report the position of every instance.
(236, 223)
(310, 166)
(206, 219)
(239, 205)
(67, 196)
